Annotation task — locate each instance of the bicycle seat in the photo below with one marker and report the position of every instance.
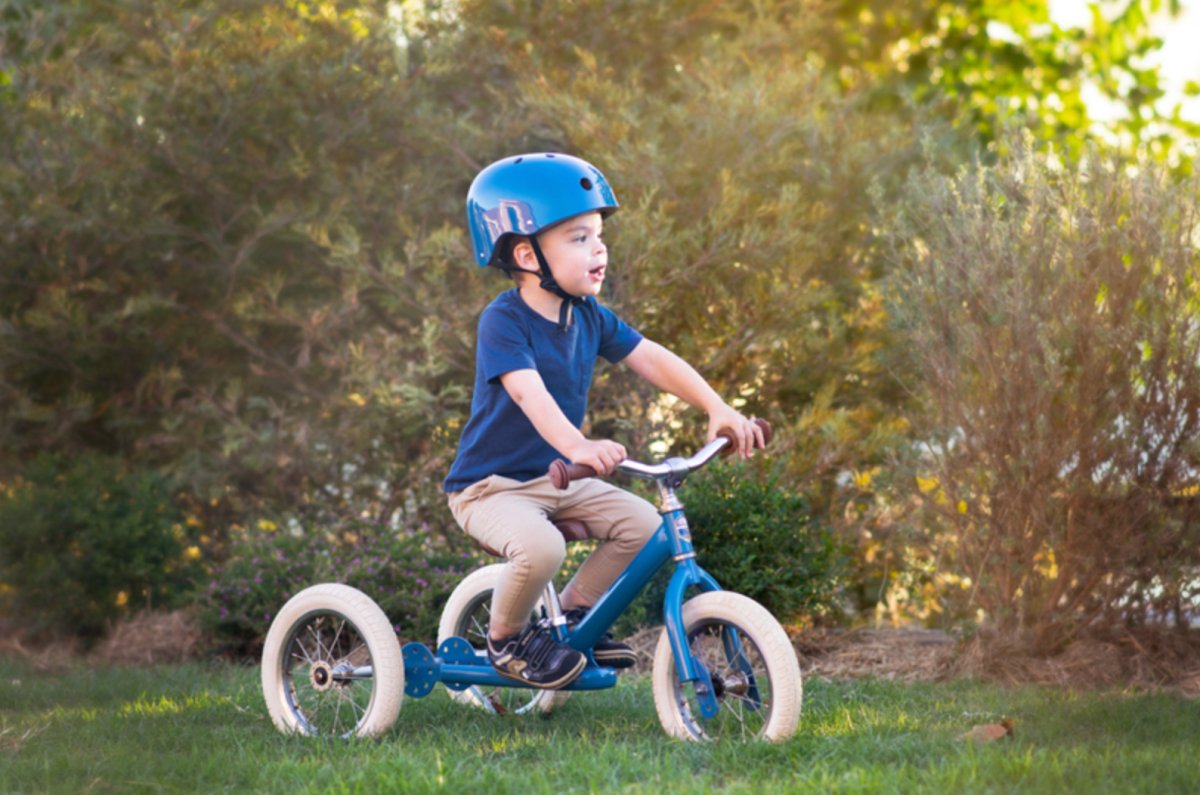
(571, 529)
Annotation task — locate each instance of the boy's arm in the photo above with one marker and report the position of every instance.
(672, 374)
(528, 391)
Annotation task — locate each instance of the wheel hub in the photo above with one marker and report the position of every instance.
(735, 685)
(321, 676)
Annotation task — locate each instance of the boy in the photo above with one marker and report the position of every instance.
(539, 218)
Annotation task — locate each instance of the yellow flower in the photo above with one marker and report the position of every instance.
(192, 521)
(863, 479)
(267, 526)
(122, 599)
(962, 506)
(357, 399)
(192, 552)
(926, 485)
(1045, 563)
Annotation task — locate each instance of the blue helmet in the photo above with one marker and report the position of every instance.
(524, 194)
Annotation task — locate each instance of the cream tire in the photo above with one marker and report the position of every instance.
(763, 705)
(331, 665)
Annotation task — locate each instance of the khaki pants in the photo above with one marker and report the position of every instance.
(513, 518)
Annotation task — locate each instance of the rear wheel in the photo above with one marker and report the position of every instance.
(332, 666)
(466, 615)
(753, 667)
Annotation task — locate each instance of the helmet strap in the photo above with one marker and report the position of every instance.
(548, 283)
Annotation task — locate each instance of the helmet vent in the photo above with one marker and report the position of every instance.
(585, 183)
(518, 160)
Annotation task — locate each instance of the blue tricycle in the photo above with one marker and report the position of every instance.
(723, 666)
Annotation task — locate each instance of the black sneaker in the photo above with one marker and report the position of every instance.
(534, 657)
(608, 652)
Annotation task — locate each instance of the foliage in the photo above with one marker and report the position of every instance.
(761, 539)
(212, 259)
(1052, 312)
(233, 247)
(84, 542)
(406, 573)
(993, 63)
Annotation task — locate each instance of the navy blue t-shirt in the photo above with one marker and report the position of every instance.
(499, 439)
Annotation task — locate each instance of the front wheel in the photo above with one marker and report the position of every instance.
(332, 666)
(753, 667)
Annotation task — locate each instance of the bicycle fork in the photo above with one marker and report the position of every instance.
(688, 574)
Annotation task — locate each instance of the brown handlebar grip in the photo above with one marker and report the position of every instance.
(561, 473)
(728, 434)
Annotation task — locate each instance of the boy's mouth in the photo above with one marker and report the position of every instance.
(597, 272)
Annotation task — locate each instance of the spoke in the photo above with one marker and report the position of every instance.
(299, 642)
(355, 650)
(337, 713)
(315, 632)
(337, 636)
(359, 709)
(476, 627)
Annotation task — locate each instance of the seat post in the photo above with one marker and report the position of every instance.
(554, 612)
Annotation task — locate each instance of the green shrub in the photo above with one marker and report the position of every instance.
(405, 573)
(759, 538)
(83, 541)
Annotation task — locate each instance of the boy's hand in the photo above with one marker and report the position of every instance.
(747, 433)
(602, 455)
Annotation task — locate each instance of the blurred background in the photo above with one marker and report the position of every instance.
(947, 249)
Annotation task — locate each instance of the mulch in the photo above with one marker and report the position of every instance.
(1147, 660)
(1141, 660)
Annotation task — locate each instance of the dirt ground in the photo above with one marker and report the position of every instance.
(1140, 661)
(1144, 661)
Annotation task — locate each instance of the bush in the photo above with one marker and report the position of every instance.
(759, 538)
(405, 573)
(83, 542)
(1051, 312)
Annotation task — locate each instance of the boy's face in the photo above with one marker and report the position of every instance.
(576, 254)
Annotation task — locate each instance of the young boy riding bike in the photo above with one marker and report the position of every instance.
(539, 218)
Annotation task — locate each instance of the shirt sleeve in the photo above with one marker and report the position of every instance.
(617, 338)
(503, 346)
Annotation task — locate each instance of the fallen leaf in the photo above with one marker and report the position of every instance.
(990, 732)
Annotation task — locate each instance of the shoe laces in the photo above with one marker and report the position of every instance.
(535, 645)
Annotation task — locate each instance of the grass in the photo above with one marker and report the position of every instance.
(203, 728)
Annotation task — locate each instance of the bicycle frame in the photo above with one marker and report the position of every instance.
(672, 540)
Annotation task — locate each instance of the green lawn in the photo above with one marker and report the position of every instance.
(203, 728)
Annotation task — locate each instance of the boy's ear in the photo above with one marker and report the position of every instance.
(522, 255)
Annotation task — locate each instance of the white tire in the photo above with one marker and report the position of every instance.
(759, 691)
(332, 666)
(466, 615)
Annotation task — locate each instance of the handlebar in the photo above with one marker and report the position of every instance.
(561, 473)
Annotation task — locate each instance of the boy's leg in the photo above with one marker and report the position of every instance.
(510, 517)
(622, 521)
